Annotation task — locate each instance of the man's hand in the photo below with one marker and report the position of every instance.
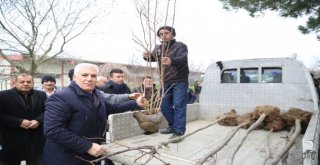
(25, 124)
(142, 101)
(34, 124)
(146, 54)
(96, 150)
(134, 96)
(165, 61)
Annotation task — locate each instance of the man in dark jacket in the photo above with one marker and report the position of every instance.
(116, 83)
(197, 90)
(147, 88)
(172, 56)
(21, 118)
(75, 120)
(191, 96)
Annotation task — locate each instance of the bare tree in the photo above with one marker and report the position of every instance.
(152, 14)
(40, 30)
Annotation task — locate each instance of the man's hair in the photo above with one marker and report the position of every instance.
(46, 78)
(23, 75)
(116, 70)
(169, 28)
(146, 77)
(70, 74)
(81, 65)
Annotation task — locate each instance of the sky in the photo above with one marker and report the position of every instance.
(210, 32)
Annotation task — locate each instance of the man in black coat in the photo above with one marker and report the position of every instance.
(21, 122)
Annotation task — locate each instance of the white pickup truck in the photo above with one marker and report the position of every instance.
(281, 82)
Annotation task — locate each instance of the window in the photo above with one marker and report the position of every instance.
(249, 75)
(271, 75)
(229, 76)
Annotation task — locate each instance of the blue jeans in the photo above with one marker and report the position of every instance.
(174, 105)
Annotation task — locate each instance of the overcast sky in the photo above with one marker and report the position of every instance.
(210, 32)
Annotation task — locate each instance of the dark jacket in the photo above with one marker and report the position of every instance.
(197, 89)
(191, 96)
(73, 121)
(113, 88)
(149, 93)
(178, 53)
(17, 140)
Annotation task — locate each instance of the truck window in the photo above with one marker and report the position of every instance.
(229, 76)
(271, 75)
(249, 75)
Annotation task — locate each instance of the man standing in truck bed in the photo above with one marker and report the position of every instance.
(173, 56)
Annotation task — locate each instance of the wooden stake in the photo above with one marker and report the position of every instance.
(178, 139)
(285, 157)
(252, 127)
(290, 143)
(222, 144)
(267, 146)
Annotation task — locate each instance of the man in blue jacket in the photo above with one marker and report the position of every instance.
(75, 120)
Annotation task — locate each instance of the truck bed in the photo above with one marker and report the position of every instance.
(253, 151)
(295, 89)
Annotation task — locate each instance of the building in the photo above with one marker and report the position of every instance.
(59, 68)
